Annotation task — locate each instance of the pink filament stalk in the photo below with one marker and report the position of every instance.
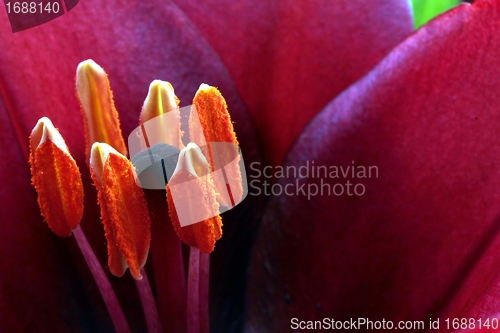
(204, 282)
(107, 292)
(193, 296)
(148, 304)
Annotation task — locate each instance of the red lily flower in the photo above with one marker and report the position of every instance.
(295, 59)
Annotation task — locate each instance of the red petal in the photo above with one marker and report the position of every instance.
(423, 240)
(289, 58)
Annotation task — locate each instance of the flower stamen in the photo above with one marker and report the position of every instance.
(192, 203)
(56, 178)
(98, 109)
(216, 128)
(161, 100)
(124, 211)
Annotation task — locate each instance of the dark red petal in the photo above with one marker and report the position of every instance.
(290, 58)
(423, 241)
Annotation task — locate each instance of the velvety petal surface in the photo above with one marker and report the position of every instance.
(135, 42)
(423, 239)
(290, 58)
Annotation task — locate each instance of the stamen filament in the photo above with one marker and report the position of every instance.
(148, 304)
(107, 292)
(193, 296)
(162, 105)
(198, 320)
(204, 292)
